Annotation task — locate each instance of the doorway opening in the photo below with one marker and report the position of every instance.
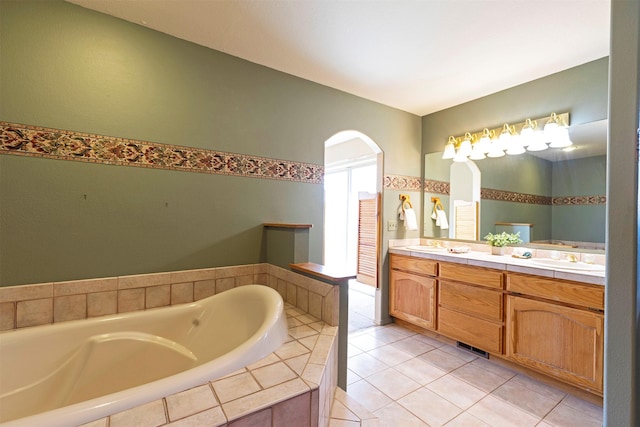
(352, 188)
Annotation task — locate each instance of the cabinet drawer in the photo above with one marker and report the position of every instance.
(486, 303)
(414, 265)
(557, 290)
(472, 274)
(482, 334)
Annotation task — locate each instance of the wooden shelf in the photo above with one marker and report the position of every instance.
(286, 225)
(322, 271)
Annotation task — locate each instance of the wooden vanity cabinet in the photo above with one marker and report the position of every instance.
(412, 290)
(470, 305)
(556, 327)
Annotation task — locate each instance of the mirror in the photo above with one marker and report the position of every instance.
(558, 196)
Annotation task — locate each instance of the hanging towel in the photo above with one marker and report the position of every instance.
(441, 220)
(410, 221)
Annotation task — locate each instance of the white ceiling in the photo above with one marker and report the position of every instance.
(420, 56)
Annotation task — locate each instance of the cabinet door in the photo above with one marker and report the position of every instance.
(562, 341)
(413, 298)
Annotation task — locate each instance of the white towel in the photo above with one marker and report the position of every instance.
(410, 221)
(441, 220)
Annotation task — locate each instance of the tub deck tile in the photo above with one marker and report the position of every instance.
(235, 387)
(298, 363)
(291, 349)
(189, 402)
(26, 292)
(193, 275)
(270, 359)
(312, 374)
(271, 375)
(151, 414)
(143, 280)
(85, 286)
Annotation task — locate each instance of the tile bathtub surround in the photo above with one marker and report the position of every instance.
(40, 304)
(294, 386)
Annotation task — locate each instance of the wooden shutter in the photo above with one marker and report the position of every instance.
(466, 225)
(368, 238)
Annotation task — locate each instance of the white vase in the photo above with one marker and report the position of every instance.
(497, 250)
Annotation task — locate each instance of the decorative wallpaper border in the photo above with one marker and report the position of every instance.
(439, 187)
(579, 200)
(510, 196)
(35, 141)
(399, 182)
(442, 187)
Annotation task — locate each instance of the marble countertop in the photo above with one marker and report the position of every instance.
(508, 263)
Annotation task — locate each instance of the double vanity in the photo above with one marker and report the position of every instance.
(541, 313)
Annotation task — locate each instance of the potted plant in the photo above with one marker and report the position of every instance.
(499, 241)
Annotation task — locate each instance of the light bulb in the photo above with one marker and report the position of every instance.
(476, 152)
(460, 157)
(526, 134)
(515, 146)
(561, 138)
(538, 142)
(496, 149)
(449, 149)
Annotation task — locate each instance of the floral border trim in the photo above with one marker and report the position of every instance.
(510, 196)
(579, 200)
(27, 140)
(399, 182)
(442, 187)
(439, 187)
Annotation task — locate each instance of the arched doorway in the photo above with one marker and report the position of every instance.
(353, 171)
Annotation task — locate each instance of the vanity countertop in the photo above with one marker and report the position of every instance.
(505, 262)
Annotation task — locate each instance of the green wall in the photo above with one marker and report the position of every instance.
(66, 67)
(580, 177)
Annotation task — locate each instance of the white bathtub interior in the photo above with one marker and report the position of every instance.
(95, 367)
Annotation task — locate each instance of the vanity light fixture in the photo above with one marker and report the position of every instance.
(512, 139)
(477, 152)
(450, 148)
(485, 140)
(496, 149)
(515, 146)
(561, 139)
(526, 133)
(465, 146)
(537, 142)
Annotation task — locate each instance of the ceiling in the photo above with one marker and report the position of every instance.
(419, 56)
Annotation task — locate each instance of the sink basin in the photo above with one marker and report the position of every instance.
(567, 265)
(426, 249)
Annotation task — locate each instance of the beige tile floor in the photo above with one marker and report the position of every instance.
(406, 379)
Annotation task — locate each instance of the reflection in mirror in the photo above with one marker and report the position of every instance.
(464, 195)
(562, 194)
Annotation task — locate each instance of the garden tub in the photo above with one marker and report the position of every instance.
(78, 371)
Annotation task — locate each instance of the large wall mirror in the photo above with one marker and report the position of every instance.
(559, 196)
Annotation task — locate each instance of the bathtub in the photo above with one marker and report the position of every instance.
(74, 372)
